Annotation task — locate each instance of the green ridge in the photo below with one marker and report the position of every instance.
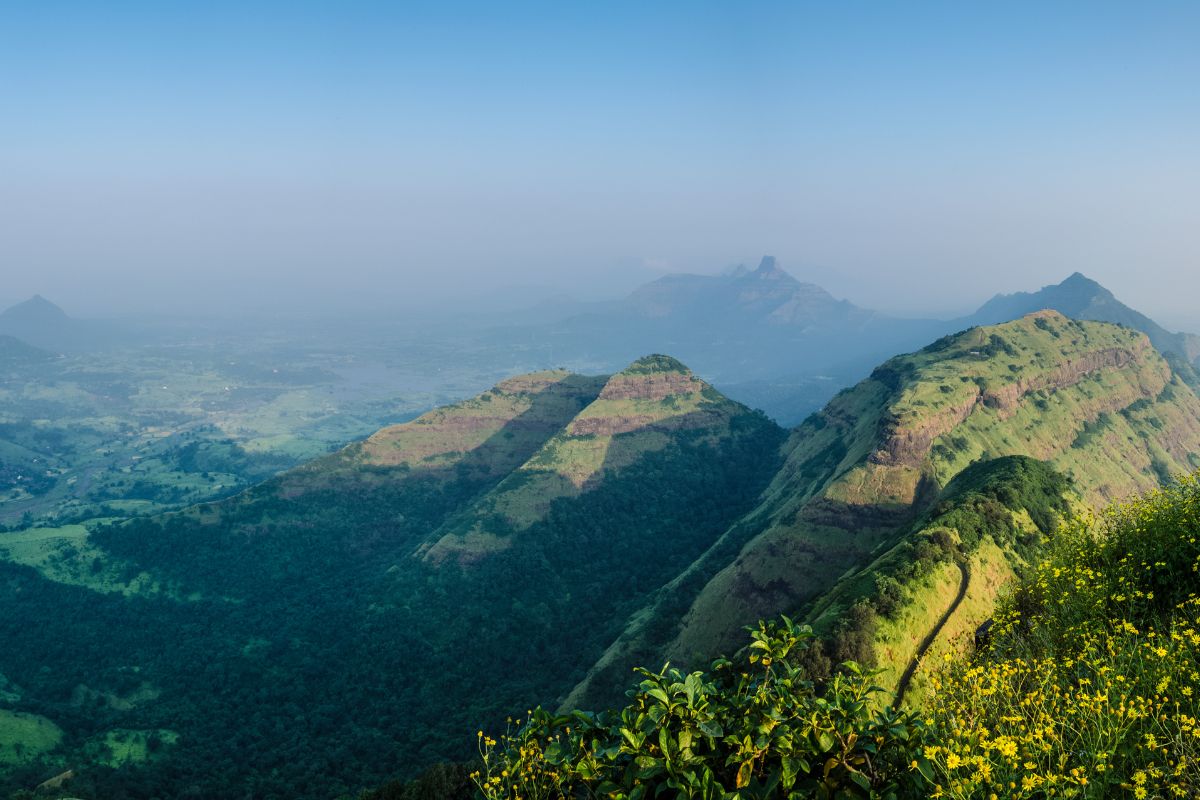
(1093, 400)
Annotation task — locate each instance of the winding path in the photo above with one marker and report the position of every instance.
(929, 639)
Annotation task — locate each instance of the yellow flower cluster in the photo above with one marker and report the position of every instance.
(515, 768)
(1091, 687)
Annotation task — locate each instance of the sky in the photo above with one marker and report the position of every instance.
(911, 157)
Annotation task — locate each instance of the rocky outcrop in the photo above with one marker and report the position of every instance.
(650, 386)
(906, 438)
(1069, 373)
(908, 443)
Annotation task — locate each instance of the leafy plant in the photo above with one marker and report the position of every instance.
(750, 728)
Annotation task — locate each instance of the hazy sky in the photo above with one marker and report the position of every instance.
(910, 157)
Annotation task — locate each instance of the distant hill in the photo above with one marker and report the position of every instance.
(1080, 297)
(14, 352)
(876, 470)
(43, 324)
(36, 320)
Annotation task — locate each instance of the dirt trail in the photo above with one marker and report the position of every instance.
(929, 639)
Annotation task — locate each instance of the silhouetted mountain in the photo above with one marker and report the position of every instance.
(43, 324)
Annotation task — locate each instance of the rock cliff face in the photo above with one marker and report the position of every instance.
(1093, 399)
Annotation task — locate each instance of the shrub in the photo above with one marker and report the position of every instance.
(750, 728)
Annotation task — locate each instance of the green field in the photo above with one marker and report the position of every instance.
(26, 737)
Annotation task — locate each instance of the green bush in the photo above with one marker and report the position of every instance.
(751, 728)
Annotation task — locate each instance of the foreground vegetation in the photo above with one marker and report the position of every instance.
(1086, 687)
(1090, 685)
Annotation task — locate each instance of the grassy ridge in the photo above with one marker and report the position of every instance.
(1086, 688)
(1093, 400)
(643, 409)
(988, 524)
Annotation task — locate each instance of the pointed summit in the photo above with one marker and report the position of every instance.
(1081, 284)
(36, 309)
(43, 324)
(653, 406)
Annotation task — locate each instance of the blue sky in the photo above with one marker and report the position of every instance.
(912, 157)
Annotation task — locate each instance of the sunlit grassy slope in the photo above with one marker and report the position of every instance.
(640, 410)
(1093, 400)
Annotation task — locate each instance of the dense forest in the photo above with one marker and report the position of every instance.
(298, 648)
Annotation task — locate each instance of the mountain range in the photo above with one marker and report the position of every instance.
(357, 617)
(786, 346)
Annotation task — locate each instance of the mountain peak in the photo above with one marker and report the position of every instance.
(652, 378)
(769, 268)
(655, 362)
(35, 308)
(768, 264)
(1078, 282)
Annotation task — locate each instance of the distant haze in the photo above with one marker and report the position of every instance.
(226, 156)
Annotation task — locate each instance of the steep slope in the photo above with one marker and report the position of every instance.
(301, 638)
(1080, 297)
(643, 409)
(490, 434)
(1094, 400)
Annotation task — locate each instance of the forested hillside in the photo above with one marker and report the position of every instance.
(305, 639)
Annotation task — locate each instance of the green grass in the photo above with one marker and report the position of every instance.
(26, 737)
(65, 555)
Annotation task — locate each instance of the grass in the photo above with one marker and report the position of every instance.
(26, 737)
(992, 577)
(1088, 686)
(65, 555)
